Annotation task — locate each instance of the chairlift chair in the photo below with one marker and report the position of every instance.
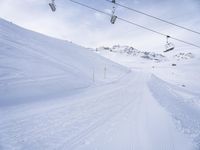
(113, 1)
(52, 5)
(169, 46)
(113, 17)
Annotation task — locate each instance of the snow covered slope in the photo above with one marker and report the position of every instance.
(123, 115)
(174, 82)
(33, 66)
(48, 99)
(177, 67)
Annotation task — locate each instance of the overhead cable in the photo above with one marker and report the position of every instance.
(160, 19)
(132, 23)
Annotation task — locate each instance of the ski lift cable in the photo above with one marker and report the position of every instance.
(160, 19)
(182, 41)
(132, 23)
(176, 39)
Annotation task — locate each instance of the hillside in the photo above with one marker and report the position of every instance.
(34, 66)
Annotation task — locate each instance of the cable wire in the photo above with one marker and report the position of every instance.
(132, 23)
(151, 16)
(174, 38)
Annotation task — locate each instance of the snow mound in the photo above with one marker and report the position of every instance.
(35, 67)
(183, 105)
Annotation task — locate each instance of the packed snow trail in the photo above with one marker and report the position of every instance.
(121, 116)
(48, 100)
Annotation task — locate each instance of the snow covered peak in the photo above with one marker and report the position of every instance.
(131, 51)
(184, 56)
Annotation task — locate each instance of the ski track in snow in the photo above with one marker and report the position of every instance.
(114, 116)
(49, 100)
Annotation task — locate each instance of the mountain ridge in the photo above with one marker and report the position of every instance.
(125, 50)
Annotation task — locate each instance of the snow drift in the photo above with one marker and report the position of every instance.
(182, 104)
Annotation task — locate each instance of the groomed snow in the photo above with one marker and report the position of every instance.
(48, 99)
(35, 67)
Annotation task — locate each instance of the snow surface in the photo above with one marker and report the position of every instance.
(35, 67)
(49, 100)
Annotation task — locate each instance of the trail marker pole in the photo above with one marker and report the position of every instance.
(93, 75)
(105, 69)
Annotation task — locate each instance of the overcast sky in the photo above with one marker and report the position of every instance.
(91, 29)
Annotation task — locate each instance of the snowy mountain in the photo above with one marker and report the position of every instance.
(58, 95)
(184, 56)
(132, 53)
(174, 67)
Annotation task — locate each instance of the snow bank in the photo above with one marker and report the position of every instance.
(182, 104)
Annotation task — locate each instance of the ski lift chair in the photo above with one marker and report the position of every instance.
(113, 17)
(169, 46)
(52, 5)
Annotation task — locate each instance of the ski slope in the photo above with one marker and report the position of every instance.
(48, 100)
(35, 67)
